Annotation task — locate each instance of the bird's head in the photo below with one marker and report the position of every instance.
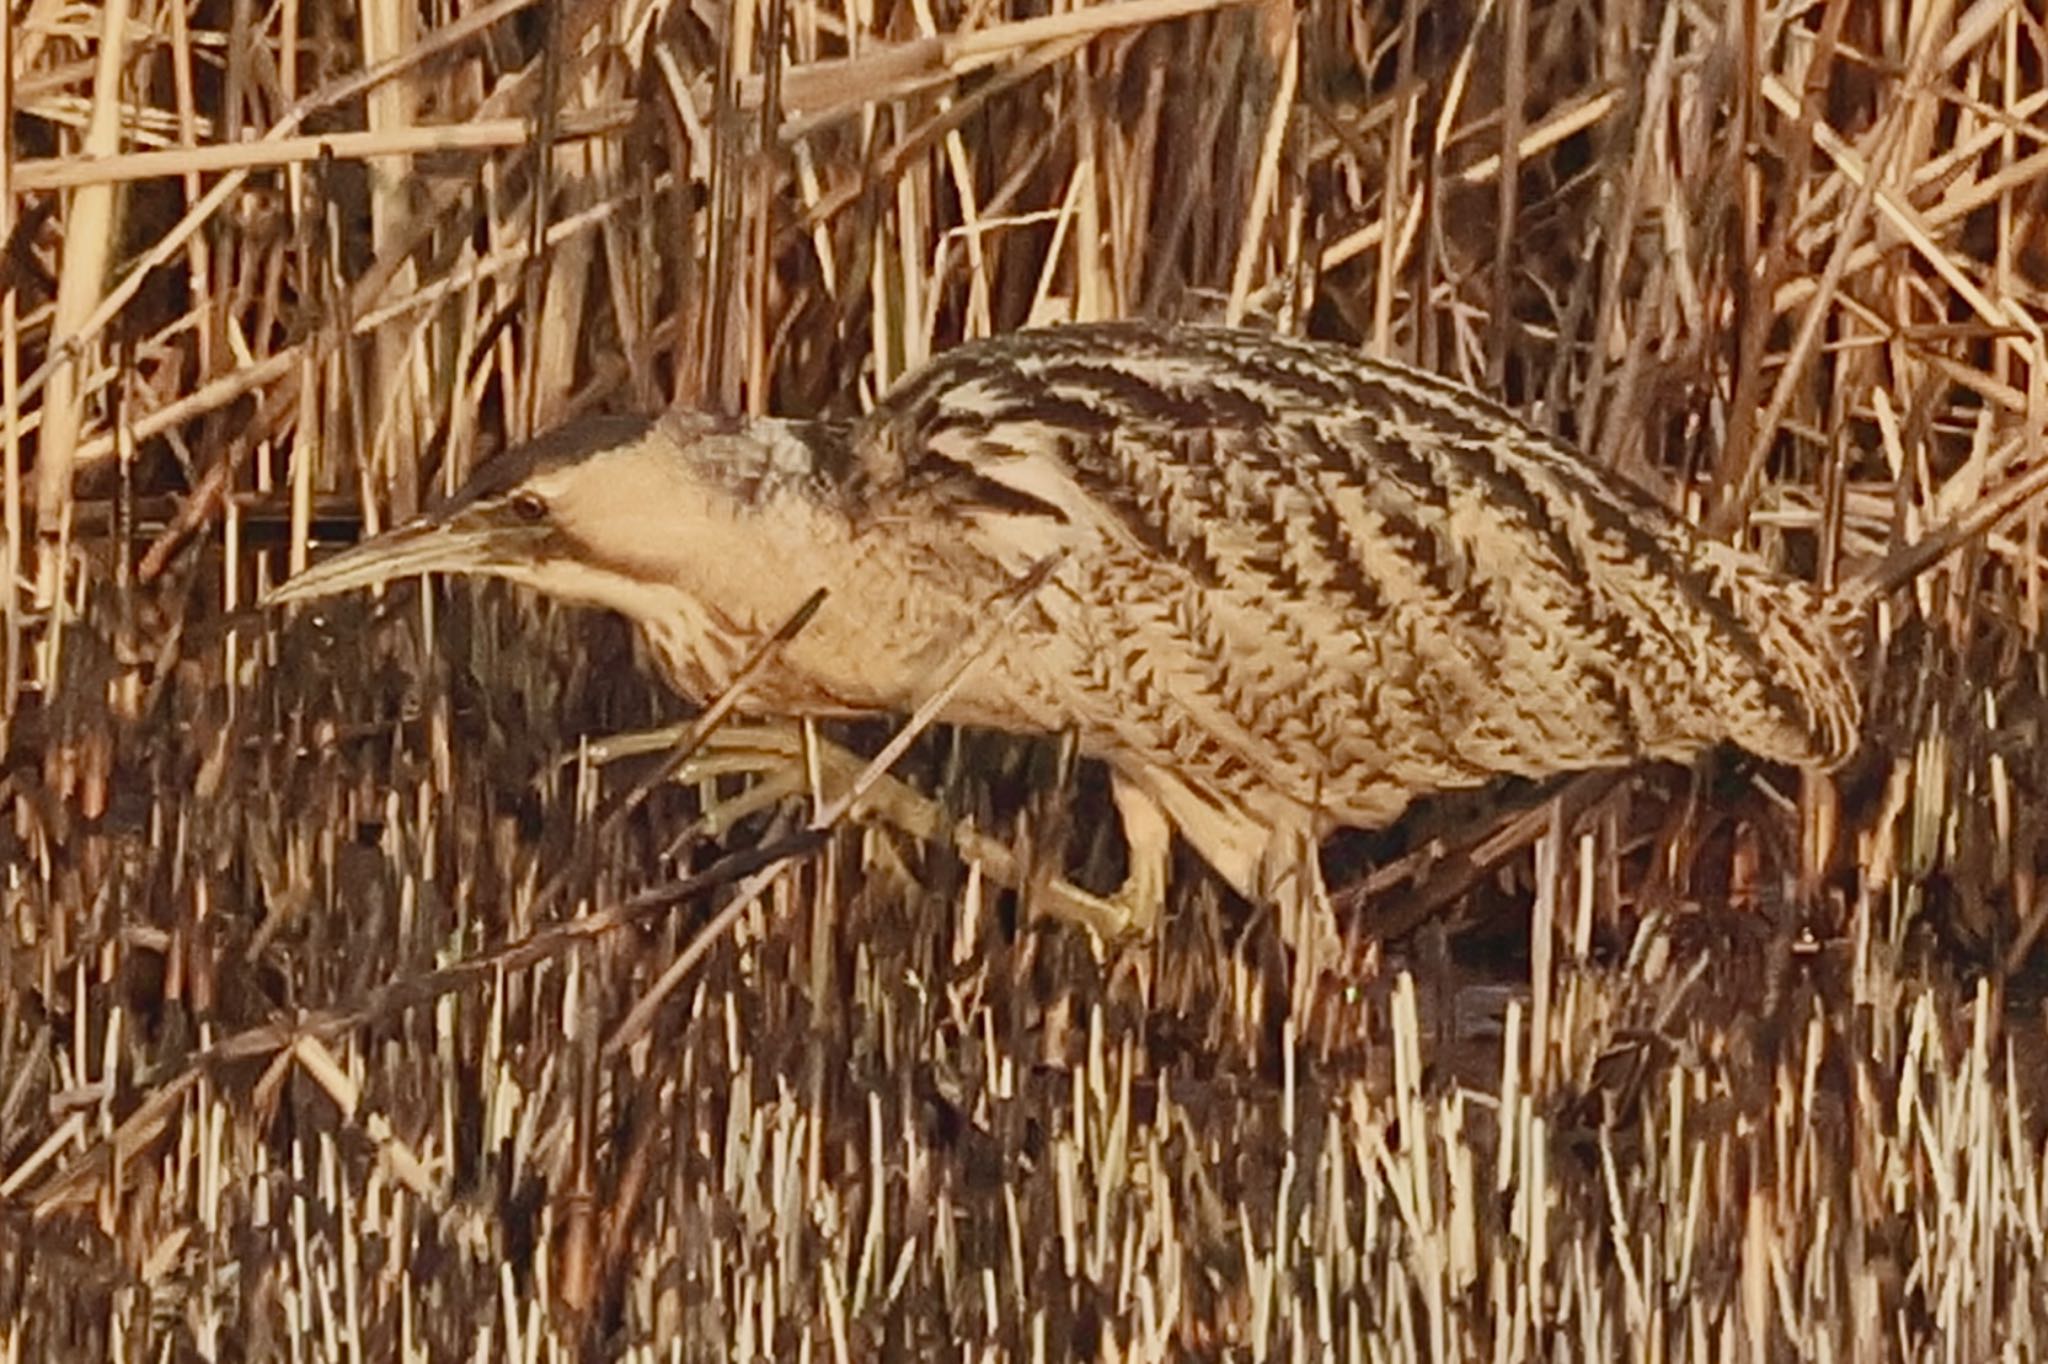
(648, 517)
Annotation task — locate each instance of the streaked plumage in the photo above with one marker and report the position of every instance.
(1295, 590)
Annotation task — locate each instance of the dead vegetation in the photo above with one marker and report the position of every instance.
(339, 1021)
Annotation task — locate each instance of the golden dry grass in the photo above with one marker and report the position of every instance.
(338, 1022)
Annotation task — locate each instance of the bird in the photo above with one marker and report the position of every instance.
(1292, 588)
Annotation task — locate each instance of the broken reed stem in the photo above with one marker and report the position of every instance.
(88, 244)
(377, 145)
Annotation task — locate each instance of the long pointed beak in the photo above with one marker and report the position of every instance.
(460, 544)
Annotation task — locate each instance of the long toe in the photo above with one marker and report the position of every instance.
(771, 755)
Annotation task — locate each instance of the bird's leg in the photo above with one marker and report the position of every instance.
(1308, 921)
(1132, 911)
(1149, 837)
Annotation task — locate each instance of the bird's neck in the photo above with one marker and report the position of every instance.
(700, 651)
(701, 654)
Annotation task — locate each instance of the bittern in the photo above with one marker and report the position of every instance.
(1294, 588)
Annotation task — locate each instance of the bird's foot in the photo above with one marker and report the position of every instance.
(783, 766)
(1125, 917)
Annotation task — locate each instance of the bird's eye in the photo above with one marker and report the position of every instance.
(529, 507)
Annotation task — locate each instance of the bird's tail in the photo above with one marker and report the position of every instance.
(1816, 638)
(1811, 707)
(1908, 562)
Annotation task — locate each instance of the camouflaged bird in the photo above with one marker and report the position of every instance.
(1294, 588)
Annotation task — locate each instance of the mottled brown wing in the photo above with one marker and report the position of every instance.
(1355, 576)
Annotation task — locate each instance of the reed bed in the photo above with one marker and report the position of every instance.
(346, 1013)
